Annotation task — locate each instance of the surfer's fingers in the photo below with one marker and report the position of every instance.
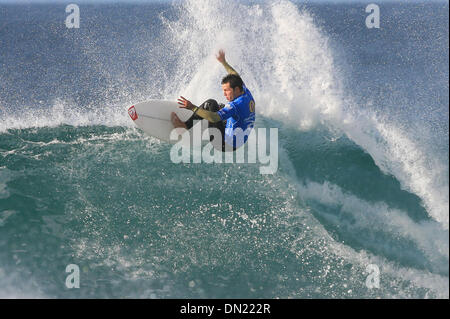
(183, 101)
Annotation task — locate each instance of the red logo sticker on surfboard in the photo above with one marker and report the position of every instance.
(132, 113)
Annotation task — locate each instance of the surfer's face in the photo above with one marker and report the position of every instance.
(230, 93)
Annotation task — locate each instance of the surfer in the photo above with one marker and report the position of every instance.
(234, 120)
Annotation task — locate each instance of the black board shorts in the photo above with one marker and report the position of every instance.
(212, 106)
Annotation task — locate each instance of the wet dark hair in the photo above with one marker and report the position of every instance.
(234, 80)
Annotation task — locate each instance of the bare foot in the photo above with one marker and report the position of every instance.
(176, 121)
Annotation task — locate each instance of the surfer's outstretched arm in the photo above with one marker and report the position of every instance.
(212, 117)
(221, 58)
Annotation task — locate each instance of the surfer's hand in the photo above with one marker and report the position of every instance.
(221, 57)
(185, 104)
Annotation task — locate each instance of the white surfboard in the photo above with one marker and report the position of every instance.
(153, 117)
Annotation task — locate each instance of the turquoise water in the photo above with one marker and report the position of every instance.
(109, 200)
(356, 185)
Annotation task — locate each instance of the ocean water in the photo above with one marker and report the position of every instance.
(362, 178)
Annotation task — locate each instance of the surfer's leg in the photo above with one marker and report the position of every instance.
(213, 106)
(190, 123)
(177, 122)
(209, 105)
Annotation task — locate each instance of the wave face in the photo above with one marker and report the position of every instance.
(363, 174)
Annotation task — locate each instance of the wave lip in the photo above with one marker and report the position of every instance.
(395, 153)
(61, 112)
(364, 222)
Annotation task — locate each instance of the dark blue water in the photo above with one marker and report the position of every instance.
(362, 116)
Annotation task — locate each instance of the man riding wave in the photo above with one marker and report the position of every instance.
(234, 120)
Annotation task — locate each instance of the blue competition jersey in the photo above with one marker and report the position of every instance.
(239, 113)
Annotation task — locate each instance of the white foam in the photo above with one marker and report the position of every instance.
(396, 281)
(389, 272)
(61, 112)
(395, 153)
(287, 63)
(13, 286)
(429, 237)
(280, 53)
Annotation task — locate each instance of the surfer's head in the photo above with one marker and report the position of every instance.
(232, 86)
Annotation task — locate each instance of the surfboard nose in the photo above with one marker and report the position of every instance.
(132, 112)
